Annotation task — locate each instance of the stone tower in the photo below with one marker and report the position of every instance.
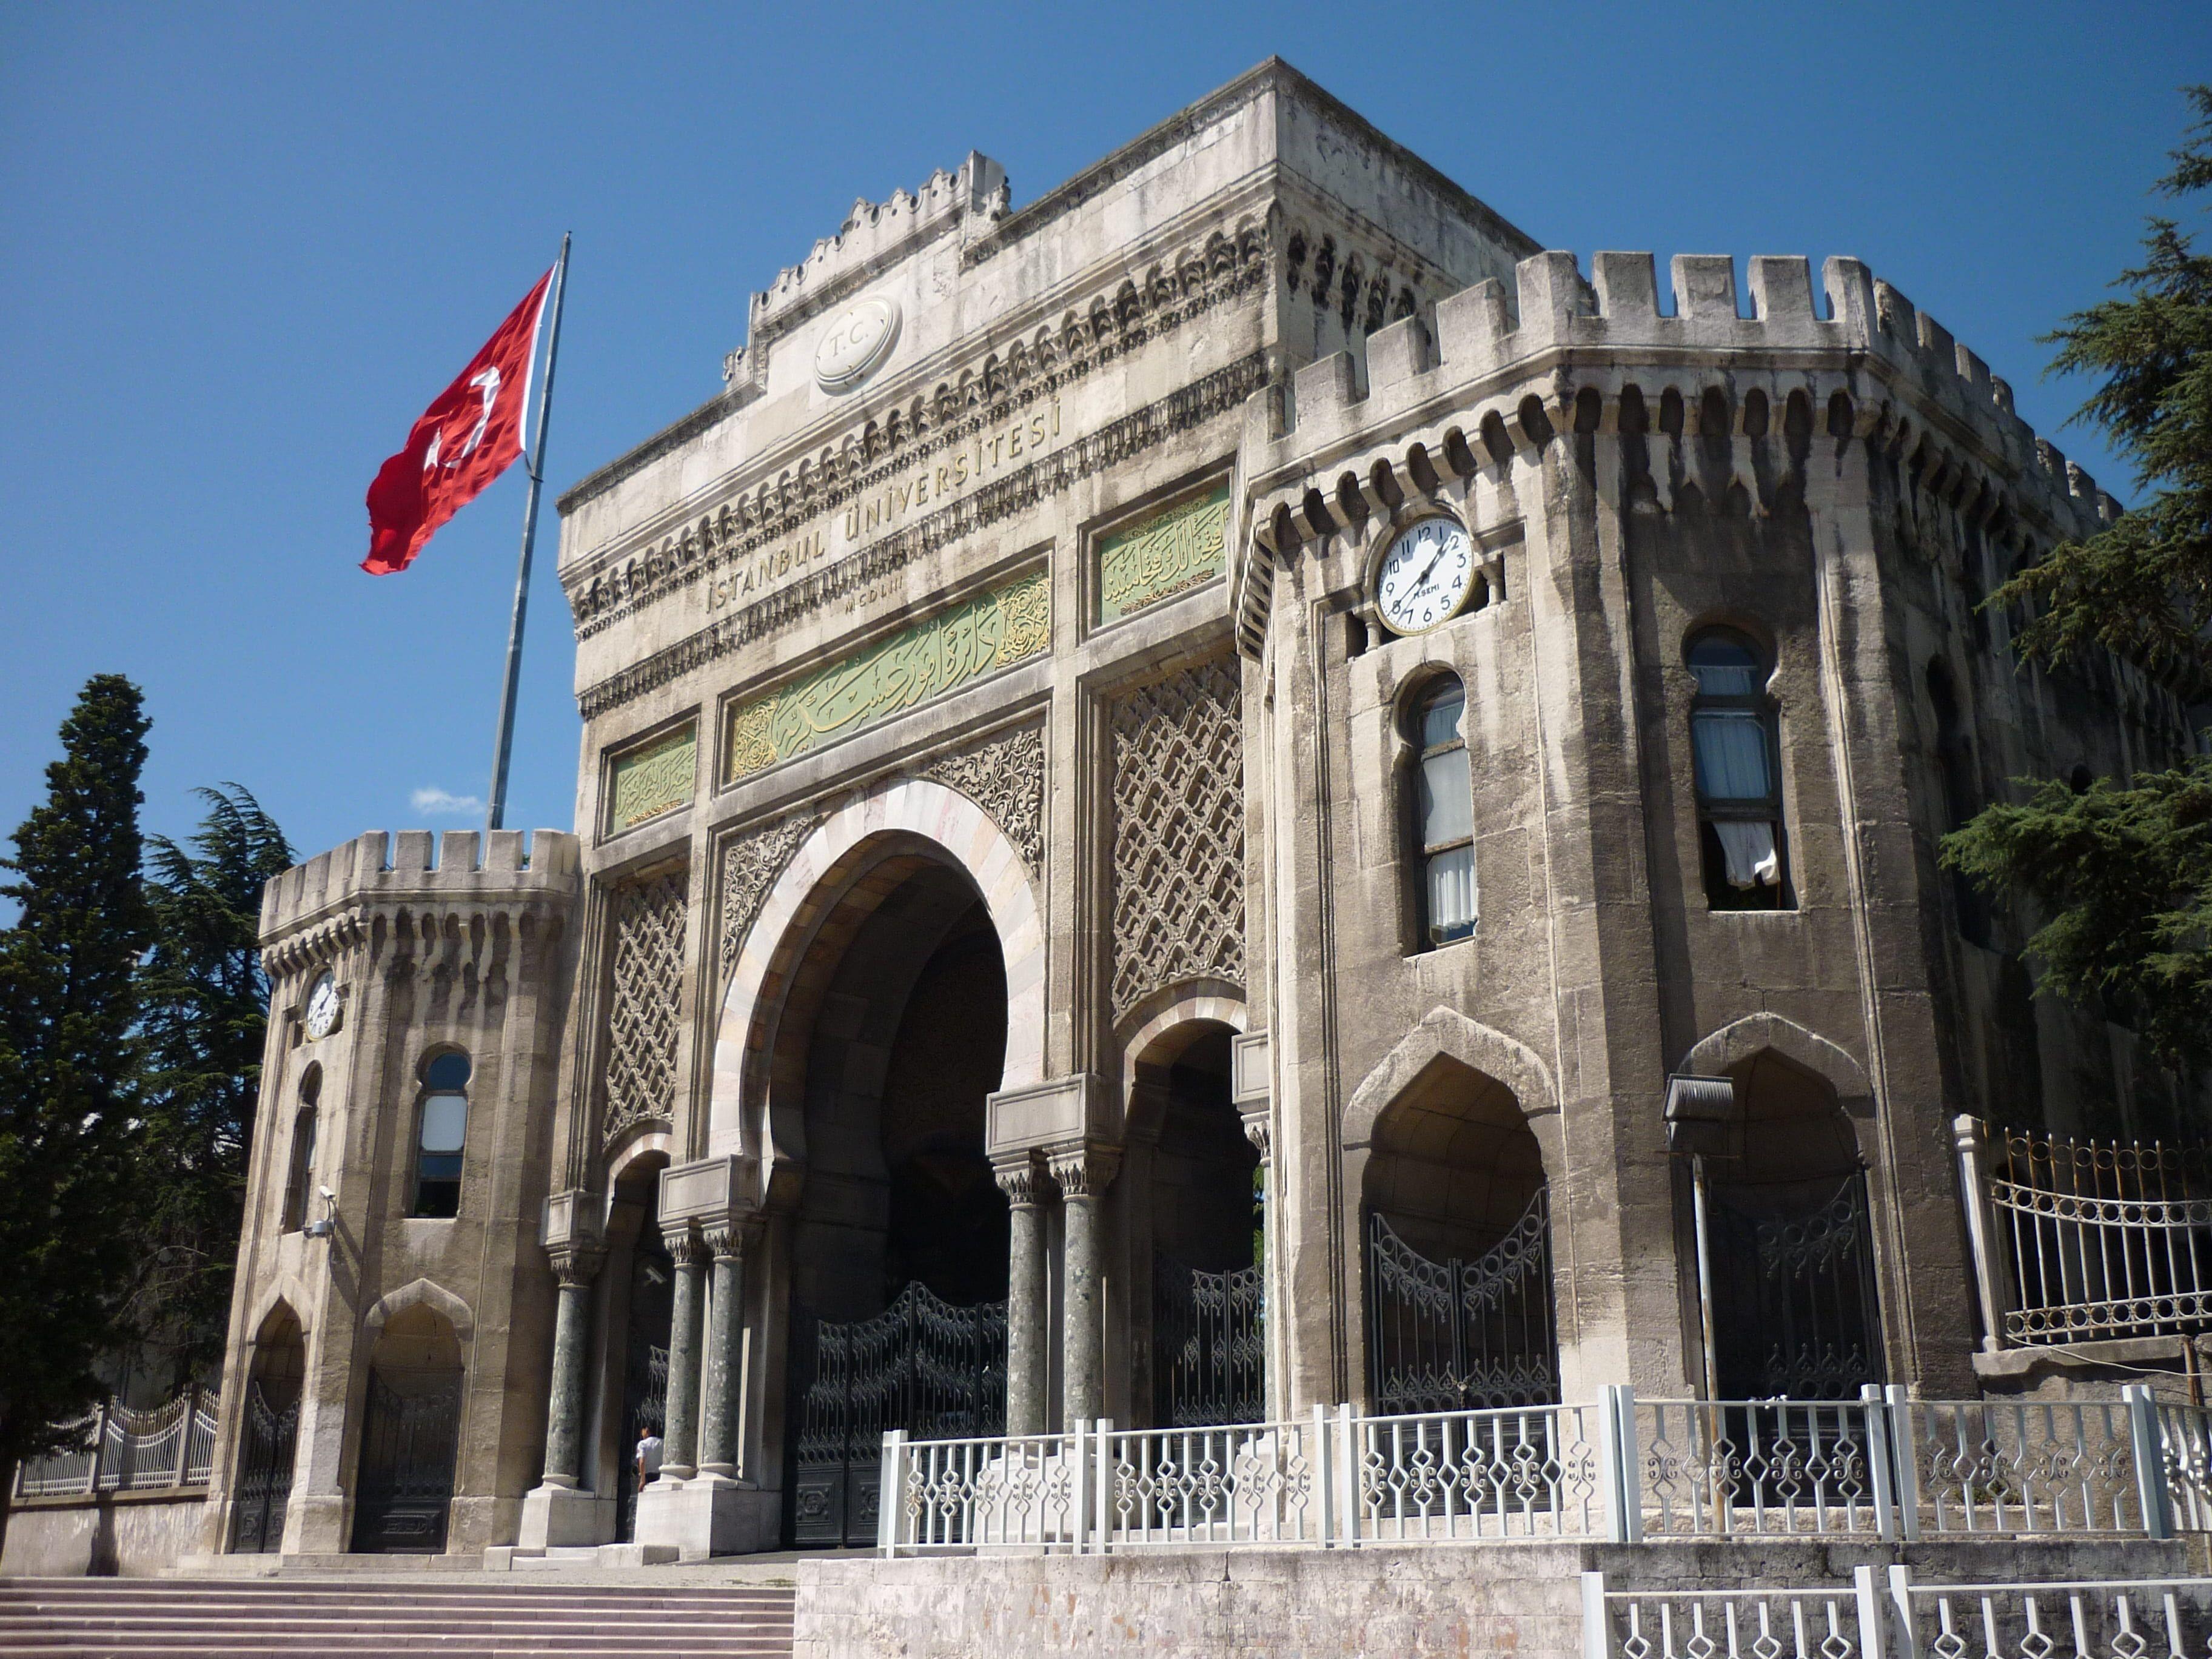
(391, 1292)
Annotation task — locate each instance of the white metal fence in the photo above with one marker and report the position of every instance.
(1879, 1467)
(114, 1447)
(1888, 1614)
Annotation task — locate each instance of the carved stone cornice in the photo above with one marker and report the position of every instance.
(1093, 332)
(1202, 400)
(314, 947)
(1084, 1171)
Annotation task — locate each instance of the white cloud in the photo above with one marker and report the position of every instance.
(438, 804)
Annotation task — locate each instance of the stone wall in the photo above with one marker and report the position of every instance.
(113, 1535)
(1518, 1599)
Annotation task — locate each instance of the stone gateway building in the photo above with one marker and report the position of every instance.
(1228, 791)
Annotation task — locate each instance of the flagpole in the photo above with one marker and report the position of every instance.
(535, 461)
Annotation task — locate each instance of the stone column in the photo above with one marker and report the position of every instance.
(1084, 1175)
(726, 1335)
(1025, 1298)
(680, 1440)
(575, 1269)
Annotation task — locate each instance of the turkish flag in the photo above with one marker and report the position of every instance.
(467, 437)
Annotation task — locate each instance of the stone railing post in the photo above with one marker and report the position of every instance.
(1990, 1285)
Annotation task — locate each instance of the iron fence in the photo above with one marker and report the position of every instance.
(2084, 1240)
(114, 1447)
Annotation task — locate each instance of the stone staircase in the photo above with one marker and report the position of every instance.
(185, 1618)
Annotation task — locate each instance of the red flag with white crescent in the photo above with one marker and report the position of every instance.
(468, 437)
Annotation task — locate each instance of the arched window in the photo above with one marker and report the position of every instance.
(445, 1132)
(1738, 777)
(1443, 816)
(299, 1182)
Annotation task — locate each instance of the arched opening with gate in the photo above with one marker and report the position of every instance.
(1789, 1242)
(1192, 1206)
(640, 1277)
(409, 1435)
(893, 1037)
(269, 1436)
(1458, 1251)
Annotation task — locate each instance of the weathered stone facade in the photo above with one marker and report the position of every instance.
(1007, 820)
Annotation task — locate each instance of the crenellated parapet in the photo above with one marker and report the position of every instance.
(875, 232)
(317, 911)
(1445, 409)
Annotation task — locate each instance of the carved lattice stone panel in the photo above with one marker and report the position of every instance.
(648, 782)
(750, 863)
(647, 984)
(1004, 776)
(1178, 833)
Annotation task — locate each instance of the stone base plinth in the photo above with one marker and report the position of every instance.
(708, 1515)
(560, 1517)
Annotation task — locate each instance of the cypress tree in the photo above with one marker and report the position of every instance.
(2123, 870)
(204, 1003)
(68, 971)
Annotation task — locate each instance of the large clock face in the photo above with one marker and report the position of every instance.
(1425, 577)
(322, 1008)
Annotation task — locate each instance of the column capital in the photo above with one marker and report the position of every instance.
(683, 1242)
(1260, 1130)
(1084, 1171)
(726, 1240)
(1019, 1179)
(576, 1264)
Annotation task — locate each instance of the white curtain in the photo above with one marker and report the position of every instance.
(1731, 745)
(1451, 893)
(1753, 859)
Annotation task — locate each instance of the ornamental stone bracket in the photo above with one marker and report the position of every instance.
(721, 1194)
(1050, 1117)
(1252, 1090)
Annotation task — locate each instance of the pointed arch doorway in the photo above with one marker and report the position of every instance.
(895, 1034)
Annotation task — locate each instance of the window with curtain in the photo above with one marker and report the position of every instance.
(1739, 777)
(299, 1181)
(444, 1133)
(1443, 814)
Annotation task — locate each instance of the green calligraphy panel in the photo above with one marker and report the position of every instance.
(655, 779)
(1165, 554)
(918, 663)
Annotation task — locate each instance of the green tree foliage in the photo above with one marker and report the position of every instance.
(2124, 870)
(204, 1009)
(69, 1061)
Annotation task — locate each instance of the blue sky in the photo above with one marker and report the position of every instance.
(241, 247)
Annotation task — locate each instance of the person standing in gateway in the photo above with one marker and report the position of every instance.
(648, 1457)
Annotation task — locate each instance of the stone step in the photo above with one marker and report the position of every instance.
(172, 1619)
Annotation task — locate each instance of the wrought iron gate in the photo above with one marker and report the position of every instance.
(1209, 1357)
(1793, 1303)
(408, 1442)
(922, 1365)
(265, 1474)
(1452, 1335)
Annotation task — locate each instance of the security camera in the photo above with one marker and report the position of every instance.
(329, 1197)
